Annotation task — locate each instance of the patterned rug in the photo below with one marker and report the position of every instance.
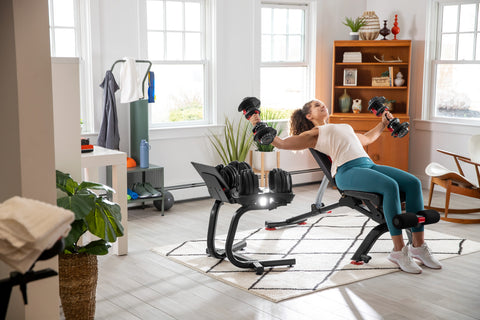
(322, 248)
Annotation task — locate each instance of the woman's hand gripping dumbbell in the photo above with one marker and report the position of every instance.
(377, 107)
(263, 134)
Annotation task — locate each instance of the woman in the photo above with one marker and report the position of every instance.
(353, 170)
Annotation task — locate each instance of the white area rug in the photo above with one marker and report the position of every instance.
(323, 249)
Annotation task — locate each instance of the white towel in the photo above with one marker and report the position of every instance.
(27, 228)
(130, 84)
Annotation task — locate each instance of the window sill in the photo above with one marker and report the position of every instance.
(448, 127)
(183, 132)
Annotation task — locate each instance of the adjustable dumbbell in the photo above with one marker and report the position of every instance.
(409, 220)
(263, 134)
(376, 106)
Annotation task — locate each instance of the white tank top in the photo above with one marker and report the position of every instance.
(340, 142)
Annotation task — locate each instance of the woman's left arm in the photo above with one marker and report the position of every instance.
(372, 135)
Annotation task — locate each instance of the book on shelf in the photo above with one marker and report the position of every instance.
(390, 75)
(352, 57)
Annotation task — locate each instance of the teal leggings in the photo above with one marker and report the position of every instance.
(363, 175)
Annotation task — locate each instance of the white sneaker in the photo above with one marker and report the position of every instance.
(403, 259)
(423, 254)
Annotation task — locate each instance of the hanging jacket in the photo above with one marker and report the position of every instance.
(109, 136)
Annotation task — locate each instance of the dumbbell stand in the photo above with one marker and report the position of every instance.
(231, 248)
(212, 228)
(220, 191)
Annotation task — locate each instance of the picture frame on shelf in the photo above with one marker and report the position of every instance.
(350, 77)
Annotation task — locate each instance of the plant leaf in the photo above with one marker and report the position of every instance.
(105, 221)
(78, 229)
(97, 247)
(65, 183)
(80, 204)
(94, 186)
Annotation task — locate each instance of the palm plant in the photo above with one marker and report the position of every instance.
(355, 24)
(235, 142)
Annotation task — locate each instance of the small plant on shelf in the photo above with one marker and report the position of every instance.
(355, 23)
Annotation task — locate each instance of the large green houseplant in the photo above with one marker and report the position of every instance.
(78, 270)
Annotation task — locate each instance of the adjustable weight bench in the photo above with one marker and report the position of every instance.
(367, 203)
(222, 192)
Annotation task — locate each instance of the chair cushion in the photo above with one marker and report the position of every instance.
(438, 171)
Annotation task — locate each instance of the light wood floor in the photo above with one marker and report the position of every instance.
(145, 285)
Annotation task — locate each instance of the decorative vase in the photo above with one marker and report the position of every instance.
(399, 81)
(384, 31)
(354, 35)
(357, 106)
(372, 29)
(269, 160)
(78, 274)
(395, 29)
(345, 102)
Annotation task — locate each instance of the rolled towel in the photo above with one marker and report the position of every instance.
(28, 227)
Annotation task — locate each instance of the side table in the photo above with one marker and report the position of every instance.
(103, 157)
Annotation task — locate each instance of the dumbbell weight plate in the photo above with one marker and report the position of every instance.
(248, 106)
(431, 216)
(405, 220)
(265, 135)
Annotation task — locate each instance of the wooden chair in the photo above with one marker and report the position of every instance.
(456, 182)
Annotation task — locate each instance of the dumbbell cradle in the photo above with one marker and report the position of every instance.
(409, 220)
(377, 107)
(263, 134)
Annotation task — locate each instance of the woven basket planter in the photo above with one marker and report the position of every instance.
(78, 275)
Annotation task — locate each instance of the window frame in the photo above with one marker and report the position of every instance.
(308, 40)
(206, 30)
(83, 51)
(432, 60)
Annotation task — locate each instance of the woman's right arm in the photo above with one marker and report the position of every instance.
(307, 139)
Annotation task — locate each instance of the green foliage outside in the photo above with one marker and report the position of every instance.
(187, 108)
(186, 114)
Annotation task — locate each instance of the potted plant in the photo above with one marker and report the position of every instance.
(235, 142)
(78, 262)
(354, 24)
(268, 152)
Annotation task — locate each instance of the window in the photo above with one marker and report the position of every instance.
(69, 37)
(176, 45)
(285, 69)
(455, 61)
(63, 33)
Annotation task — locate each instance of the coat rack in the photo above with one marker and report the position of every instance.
(138, 116)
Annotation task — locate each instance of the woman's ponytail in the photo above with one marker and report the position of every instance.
(299, 122)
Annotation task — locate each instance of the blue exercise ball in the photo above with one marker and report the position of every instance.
(169, 201)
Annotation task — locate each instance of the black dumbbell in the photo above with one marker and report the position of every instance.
(409, 220)
(263, 134)
(376, 106)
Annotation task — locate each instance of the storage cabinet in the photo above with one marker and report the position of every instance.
(155, 176)
(387, 150)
